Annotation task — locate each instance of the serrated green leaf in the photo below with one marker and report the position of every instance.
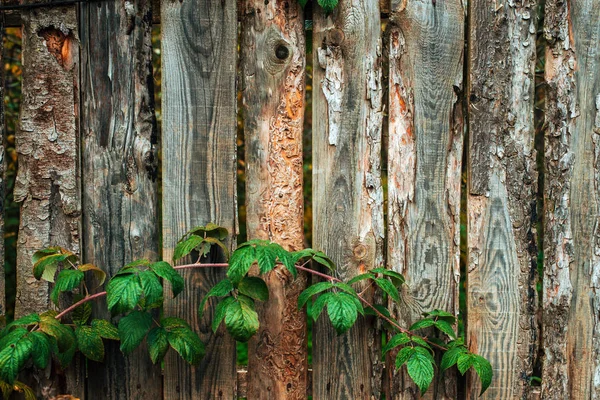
(81, 314)
(41, 349)
(395, 341)
(132, 330)
(389, 288)
(286, 258)
(123, 293)
(67, 280)
(158, 344)
(220, 312)
(241, 320)
(311, 291)
(166, 271)
(153, 290)
(214, 241)
(440, 314)
(221, 289)
(403, 355)
(300, 254)
(12, 337)
(210, 230)
(186, 246)
(266, 257)
(65, 338)
(464, 362)
(99, 274)
(27, 320)
(319, 304)
(187, 343)
(240, 263)
(90, 343)
(484, 370)
(346, 288)
(105, 329)
(12, 358)
(46, 262)
(450, 357)
(342, 312)
(328, 5)
(254, 287)
(322, 259)
(426, 351)
(65, 357)
(422, 323)
(420, 341)
(173, 322)
(445, 327)
(361, 277)
(420, 369)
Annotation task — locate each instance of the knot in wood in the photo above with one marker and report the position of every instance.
(335, 37)
(360, 251)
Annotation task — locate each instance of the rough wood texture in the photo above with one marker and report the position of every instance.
(572, 201)
(501, 210)
(348, 197)
(119, 170)
(273, 61)
(199, 39)
(424, 168)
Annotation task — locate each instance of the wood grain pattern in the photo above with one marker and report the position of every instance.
(424, 164)
(572, 245)
(501, 209)
(273, 61)
(199, 165)
(347, 193)
(119, 164)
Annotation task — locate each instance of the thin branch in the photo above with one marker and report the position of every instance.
(80, 302)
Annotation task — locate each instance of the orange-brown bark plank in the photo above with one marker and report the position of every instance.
(347, 192)
(199, 45)
(273, 61)
(424, 168)
(119, 166)
(571, 303)
(501, 204)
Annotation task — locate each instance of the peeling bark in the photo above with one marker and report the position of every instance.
(119, 170)
(348, 197)
(424, 163)
(273, 61)
(572, 246)
(501, 209)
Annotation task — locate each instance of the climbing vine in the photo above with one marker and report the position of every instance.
(136, 292)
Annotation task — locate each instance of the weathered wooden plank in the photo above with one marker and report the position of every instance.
(47, 179)
(501, 210)
(347, 191)
(572, 201)
(424, 168)
(273, 61)
(119, 170)
(199, 39)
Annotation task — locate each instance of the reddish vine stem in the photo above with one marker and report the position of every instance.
(300, 267)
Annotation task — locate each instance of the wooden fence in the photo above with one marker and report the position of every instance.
(447, 83)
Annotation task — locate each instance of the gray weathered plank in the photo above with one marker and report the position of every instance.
(199, 39)
(424, 168)
(273, 61)
(119, 170)
(572, 201)
(501, 210)
(347, 192)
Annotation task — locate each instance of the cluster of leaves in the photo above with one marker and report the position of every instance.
(328, 5)
(134, 295)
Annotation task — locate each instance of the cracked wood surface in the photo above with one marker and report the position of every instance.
(119, 167)
(347, 191)
(501, 204)
(572, 242)
(199, 42)
(424, 168)
(273, 62)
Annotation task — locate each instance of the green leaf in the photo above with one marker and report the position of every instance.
(328, 5)
(210, 230)
(361, 277)
(311, 291)
(240, 263)
(81, 314)
(450, 357)
(135, 264)
(166, 271)
(384, 311)
(322, 259)
(300, 254)
(65, 338)
(99, 274)
(445, 327)
(41, 347)
(186, 246)
(420, 341)
(484, 371)
(105, 329)
(266, 257)
(220, 312)
(254, 287)
(241, 320)
(27, 320)
(440, 314)
(12, 358)
(12, 337)
(395, 341)
(46, 262)
(67, 280)
(158, 344)
(221, 289)
(346, 288)
(389, 288)
(420, 369)
(342, 312)
(153, 290)
(464, 362)
(403, 355)
(422, 323)
(123, 293)
(286, 258)
(187, 343)
(302, 3)
(212, 241)
(319, 304)
(133, 329)
(90, 343)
